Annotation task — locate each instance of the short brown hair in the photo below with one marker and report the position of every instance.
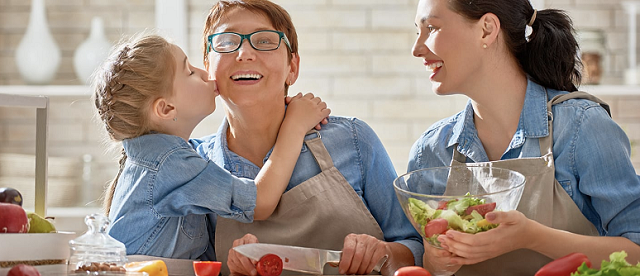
(278, 16)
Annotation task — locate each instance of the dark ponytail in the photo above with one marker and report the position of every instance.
(550, 57)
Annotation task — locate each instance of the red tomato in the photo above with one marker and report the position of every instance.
(269, 265)
(206, 268)
(482, 209)
(442, 204)
(411, 271)
(564, 266)
(436, 226)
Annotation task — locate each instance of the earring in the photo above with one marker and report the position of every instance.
(175, 119)
(484, 46)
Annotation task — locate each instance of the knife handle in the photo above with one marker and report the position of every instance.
(376, 268)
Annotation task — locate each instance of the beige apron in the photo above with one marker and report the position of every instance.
(543, 200)
(318, 213)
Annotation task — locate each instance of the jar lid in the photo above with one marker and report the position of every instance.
(97, 235)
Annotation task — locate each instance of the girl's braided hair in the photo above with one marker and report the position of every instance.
(136, 73)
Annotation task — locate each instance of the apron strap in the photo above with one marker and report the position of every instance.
(581, 95)
(546, 143)
(319, 151)
(459, 157)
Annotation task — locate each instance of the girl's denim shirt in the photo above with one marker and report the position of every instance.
(164, 193)
(591, 154)
(357, 153)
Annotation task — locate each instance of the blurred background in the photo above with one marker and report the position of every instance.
(355, 54)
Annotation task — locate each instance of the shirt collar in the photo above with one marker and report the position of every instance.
(532, 124)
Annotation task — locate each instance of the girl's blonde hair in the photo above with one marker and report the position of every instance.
(136, 73)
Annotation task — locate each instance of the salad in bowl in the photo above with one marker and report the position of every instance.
(439, 199)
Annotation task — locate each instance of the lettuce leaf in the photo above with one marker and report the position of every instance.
(616, 266)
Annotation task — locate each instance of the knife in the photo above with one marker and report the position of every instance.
(295, 258)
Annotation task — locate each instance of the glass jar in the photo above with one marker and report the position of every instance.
(95, 250)
(592, 52)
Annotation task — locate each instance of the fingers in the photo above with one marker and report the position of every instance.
(238, 263)
(360, 254)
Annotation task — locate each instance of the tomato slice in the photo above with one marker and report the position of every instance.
(482, 209)
(206, 268)
(435, 227)
(269, 265)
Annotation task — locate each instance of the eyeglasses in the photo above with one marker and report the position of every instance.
(229, 42)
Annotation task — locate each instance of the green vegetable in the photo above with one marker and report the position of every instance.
(617, 266)
(454, 213)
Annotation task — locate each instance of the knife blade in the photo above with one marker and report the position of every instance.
(295, 258)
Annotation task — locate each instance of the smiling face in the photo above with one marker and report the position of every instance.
(193, 93)
(248, 77)
(450, 46)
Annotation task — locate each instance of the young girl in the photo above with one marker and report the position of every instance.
(151, 98)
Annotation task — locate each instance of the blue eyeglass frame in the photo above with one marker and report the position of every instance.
(248, 36)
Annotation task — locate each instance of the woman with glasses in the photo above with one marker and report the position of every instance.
(520, 69)
(150, 98)
(340, 196)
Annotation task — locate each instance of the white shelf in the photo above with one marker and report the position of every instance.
(46, 90)
(611, 90)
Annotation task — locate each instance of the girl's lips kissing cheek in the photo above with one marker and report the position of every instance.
(246, 78)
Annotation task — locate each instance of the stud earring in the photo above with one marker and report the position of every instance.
(484, 46)
(175, 119)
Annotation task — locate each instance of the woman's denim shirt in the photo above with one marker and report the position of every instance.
(357, 153)
(164, 193)
(591, 153)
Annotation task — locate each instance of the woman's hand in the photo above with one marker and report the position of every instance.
(360, 253)
(510, 235)
(238, 263)
(438, 260)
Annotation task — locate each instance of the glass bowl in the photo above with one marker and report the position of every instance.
(442, 198)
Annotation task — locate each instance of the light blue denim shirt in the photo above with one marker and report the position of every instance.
(357, 153)
(591, 153)
(164, 193)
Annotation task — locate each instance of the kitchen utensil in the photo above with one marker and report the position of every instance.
(300, 259)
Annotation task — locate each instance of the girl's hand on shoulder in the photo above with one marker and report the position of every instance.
(511, 234)
(306, 111)
(238, 263)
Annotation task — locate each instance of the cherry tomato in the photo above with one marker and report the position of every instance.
(482, 209)
(564, 266)
(206, 268)
(411, 271)
(269, 265)
(436, 227)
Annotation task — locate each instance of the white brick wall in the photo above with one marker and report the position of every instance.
(355, 54)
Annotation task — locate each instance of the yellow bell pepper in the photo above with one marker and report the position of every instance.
(483, 222)
(153, 268)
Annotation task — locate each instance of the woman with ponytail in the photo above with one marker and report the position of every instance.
(520, 69)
